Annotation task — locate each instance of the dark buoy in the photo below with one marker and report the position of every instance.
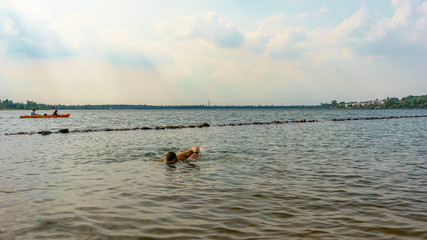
(65, 130)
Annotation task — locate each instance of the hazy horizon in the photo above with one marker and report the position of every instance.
(231, 52)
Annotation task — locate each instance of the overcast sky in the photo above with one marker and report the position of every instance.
(231, 52)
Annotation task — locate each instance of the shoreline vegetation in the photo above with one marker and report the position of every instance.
(409, 102)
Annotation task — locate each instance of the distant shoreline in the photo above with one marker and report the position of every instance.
(101, 107)
(409, 102)
(155, 107)
(212, 108)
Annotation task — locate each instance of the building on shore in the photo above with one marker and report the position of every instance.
(365, 104)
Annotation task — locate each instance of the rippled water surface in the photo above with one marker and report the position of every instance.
(322, 180)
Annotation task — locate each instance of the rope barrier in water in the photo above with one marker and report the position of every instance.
(66, 130)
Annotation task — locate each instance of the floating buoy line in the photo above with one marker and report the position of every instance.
(66, 130)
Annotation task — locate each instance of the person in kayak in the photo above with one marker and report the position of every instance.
(55, 112)
(171, 157)
(34, 113)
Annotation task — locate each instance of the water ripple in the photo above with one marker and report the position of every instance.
(326, 180)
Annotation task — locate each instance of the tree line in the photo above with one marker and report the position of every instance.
(419, 102)
(9, 104)
(409, 102)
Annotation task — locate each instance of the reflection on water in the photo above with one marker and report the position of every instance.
(182, 166)
(325, 180)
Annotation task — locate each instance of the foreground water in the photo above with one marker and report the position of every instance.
(322, 180)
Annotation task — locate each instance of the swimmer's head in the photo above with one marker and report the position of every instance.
(171, 157)
(196, 149)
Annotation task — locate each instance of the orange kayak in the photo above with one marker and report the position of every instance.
(47, 116)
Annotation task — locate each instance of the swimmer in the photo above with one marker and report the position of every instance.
(171, 157)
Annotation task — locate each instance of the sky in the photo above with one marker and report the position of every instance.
(228, 52)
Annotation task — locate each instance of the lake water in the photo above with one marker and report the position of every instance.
(318, 180)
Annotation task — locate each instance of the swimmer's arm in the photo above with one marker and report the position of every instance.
(189, 154)
(184, 155)
(193, 156)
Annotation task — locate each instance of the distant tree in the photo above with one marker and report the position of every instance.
(389, 102)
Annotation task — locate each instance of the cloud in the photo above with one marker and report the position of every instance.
(398, 36)
(258, 39)
(276, 40)
(391, 44)
(28, 32)
(365, 34)
(212, 28)
(288, 44)
(323, 9)
(122, 48)
(423, 9)
(400, 19)
(403, 11)
(277, 60)
(421, 23)
(423, 14)
(350, 24)
(23, 37)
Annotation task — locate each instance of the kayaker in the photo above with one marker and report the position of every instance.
(171, 157)
(55, 112)
(33, 113)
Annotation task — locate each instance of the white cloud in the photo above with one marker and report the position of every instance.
(287, 44)
(204, 56)
(350, 24)
(273, 19)
(9, 27)
(212, 28)
(403, 11)
(399, 36)
(258, 39)
(400, 19)
(323, 9)
(28, 32)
